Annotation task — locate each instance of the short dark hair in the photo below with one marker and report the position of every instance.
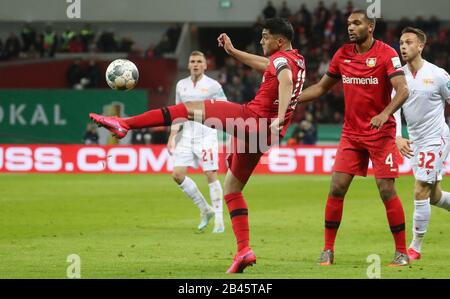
(418, 32)
(279, 26)
(364, 12)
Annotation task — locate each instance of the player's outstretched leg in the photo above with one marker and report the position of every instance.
(153, 118)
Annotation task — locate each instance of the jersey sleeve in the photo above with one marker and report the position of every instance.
(334, 70)
(278, 63)
(392, 63)
(444, 85)
(217, 92)
(177, 94)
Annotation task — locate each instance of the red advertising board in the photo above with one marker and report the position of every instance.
(156, 159)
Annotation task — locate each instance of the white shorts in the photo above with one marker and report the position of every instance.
(429, 158)
(192, 152)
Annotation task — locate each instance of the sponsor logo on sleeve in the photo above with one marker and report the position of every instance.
(396, 63)
(448, 85)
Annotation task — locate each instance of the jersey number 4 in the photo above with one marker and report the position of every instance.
(430, 159)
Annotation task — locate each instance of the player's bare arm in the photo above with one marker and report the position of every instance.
(403, 144)
(317, 90)
(259, 63)
(401, 95)
(285, 88)
(174, 129)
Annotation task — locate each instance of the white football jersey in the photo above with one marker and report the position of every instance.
(205, 88)
(429, 89)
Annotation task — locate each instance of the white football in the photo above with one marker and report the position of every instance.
(122, 74)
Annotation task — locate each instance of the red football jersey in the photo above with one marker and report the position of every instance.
(367, 86)
(265, 103)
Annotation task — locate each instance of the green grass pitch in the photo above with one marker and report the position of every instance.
(142, 226)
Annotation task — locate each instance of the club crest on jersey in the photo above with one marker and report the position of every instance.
(428, 81)
(448, 85)
(371, 62)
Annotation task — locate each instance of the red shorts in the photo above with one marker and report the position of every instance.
(245, 153)
(353, 155)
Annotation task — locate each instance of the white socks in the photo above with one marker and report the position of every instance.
(422, 213)
(190, 188)
(445, 201)
(216, 193)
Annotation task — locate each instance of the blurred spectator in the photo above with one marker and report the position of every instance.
(66, 37)
(87, 36)
(142, 136)
(173, 33)
(269, 11)
(39, 45)
(12, 46)
(150, 52)
(324, 64)
(126, 44)
(320, 16)
(234, 90)
(348, 9)
(1, 49)
(74, 74)
(76, 45)
(162, 47)
(158, 135)
(91, 135)
(28, 36)
(302, 19)
(50, 41)
(306, 131)
(93, 74)
(285, 12)
(107, 42)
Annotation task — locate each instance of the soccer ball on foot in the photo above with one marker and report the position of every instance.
(122, 74)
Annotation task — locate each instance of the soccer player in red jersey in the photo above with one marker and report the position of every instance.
(269, 112)
(369, 69)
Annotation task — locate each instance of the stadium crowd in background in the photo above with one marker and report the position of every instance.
(318, 33)
(31, 44)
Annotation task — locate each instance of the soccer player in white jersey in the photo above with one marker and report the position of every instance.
(429, 136)
(193, 143)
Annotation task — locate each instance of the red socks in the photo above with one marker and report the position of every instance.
(396, 219)
(333, 216)
(394, 212)
(239, 218)
(157, 117)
